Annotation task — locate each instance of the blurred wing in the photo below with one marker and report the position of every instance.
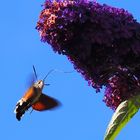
(29, 94)
(45, 102)
(30, 80)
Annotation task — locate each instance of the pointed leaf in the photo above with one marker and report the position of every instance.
(125, 111)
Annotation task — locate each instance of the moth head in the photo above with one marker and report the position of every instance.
(39, 84)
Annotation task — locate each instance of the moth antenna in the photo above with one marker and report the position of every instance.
(35, 72)
(48, 74)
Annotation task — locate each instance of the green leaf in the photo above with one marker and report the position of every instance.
(123, 114)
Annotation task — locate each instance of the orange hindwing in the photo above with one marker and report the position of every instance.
(45, 102)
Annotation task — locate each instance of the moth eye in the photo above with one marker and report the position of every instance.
(39, 82)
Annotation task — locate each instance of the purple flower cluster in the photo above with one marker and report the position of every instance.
(121, 86)
(102, 42)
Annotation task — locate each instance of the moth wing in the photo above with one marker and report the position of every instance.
(29, 93)
(45, 102)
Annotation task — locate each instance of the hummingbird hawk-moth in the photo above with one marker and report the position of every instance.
(34, 98)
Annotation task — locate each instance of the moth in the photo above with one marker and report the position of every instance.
(34, 98)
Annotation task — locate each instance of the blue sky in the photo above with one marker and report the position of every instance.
(82, 116)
